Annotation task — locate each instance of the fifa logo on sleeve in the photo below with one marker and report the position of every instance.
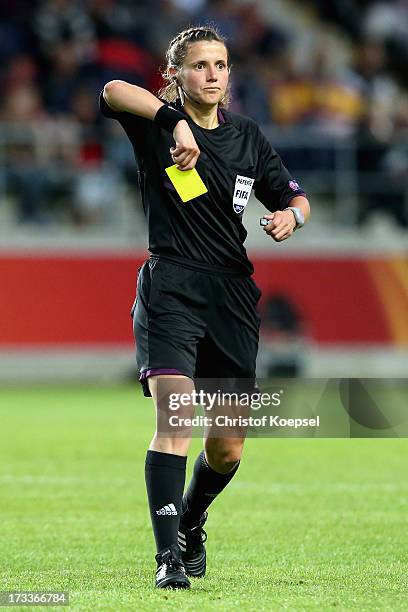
(242, 192)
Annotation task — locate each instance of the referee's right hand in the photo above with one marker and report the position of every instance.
(186, 151)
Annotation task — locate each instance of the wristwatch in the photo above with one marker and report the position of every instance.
(299, 217)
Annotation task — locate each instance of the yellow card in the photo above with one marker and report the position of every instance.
(187, 183)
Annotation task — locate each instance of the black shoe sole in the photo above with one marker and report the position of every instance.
(174, 583)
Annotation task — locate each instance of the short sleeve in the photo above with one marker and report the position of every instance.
(274, 186)
(105, 109)
(138, 129)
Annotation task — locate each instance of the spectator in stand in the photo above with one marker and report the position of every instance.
(126, 20)
(96, 184)
(122, 50)
(390, 172)
(376, 126)
(55, 51)
(39, 149)
(257, 46)
(26, 174)
(346, 13)
(326, 99)
(227, 15)
(64, 78)
(338, 101)
(289, 91)
(248, 91)
(378, 88)
(160, 30)
(58, 20)
(387, 22)
(66, 50)
(395, 164)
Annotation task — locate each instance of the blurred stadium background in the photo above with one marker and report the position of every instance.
(328, 83)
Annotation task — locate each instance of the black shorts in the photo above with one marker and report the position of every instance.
(195, 322)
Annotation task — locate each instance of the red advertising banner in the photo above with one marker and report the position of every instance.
(68, 299)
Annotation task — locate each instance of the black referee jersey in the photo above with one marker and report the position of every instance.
(235, 158)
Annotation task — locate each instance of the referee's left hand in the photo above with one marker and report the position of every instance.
(281, 225)
(186, 151)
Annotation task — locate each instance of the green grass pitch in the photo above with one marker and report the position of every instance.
(307, 524)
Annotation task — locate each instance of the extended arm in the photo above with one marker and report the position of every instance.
(124, 97)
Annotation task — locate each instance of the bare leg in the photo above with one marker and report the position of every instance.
(167, 439)
(213, 469)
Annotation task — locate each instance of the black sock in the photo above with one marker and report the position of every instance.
(165, 475)
(205, 485)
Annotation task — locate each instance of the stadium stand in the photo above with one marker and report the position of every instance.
(328, 84)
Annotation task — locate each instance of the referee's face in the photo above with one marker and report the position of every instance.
(204, 74)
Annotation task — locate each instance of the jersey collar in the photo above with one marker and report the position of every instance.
(221, 117)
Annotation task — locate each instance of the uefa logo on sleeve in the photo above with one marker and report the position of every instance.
(294, 185)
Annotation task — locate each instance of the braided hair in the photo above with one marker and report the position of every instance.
(176, 54)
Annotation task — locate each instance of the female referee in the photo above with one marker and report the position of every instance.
(195, 316)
